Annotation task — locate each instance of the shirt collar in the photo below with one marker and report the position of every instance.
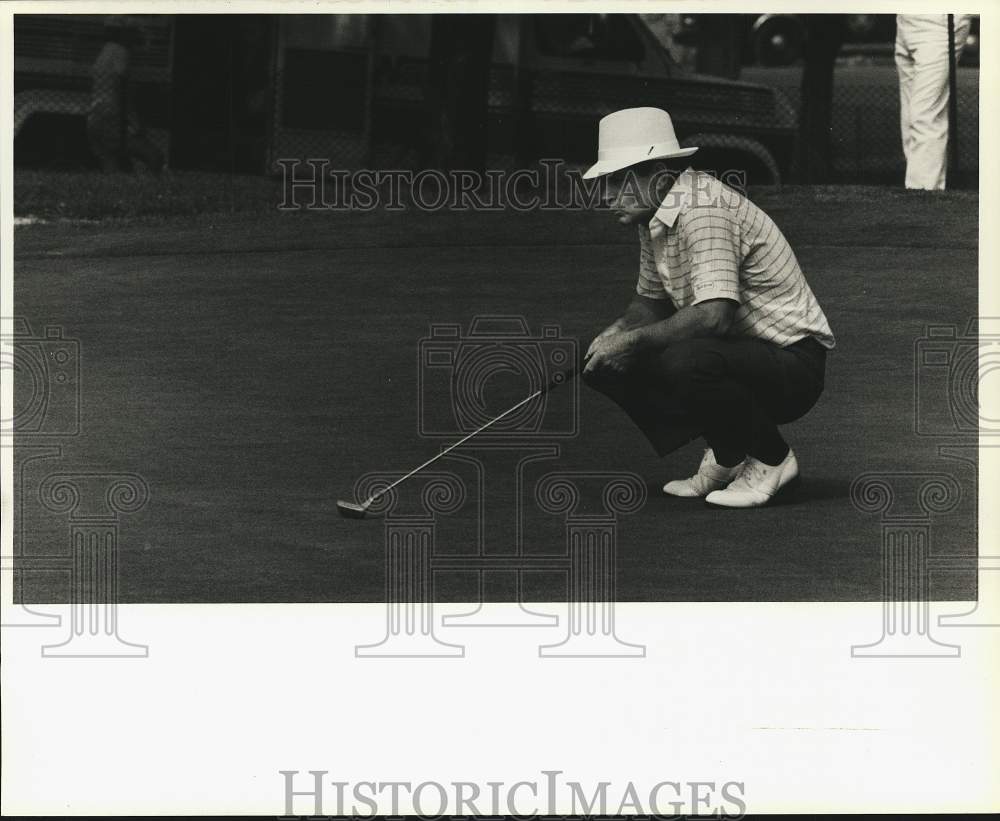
(676, 199)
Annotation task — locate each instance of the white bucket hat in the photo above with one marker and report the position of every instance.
(634, 135)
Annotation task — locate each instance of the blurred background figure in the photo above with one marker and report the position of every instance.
(922, 63)
(114, 132)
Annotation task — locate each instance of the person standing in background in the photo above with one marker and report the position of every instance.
(922, 64)
(113, 131)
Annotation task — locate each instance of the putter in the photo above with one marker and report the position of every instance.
(353, 510)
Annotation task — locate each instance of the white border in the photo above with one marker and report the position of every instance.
(766, 694)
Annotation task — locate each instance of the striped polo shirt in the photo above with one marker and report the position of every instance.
(707, 241)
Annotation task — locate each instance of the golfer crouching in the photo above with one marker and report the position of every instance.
(723, 339)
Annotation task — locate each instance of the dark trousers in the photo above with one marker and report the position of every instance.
(115, 152)
(734, 391)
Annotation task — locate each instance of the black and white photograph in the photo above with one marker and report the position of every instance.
(461, 409)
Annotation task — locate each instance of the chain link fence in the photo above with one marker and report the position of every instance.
(865, 129)
(322, 90)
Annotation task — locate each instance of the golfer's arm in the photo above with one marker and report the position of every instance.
(710, 318)
(643, 311)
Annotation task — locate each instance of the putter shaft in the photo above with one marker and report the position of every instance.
(350, 508)
(450, 448)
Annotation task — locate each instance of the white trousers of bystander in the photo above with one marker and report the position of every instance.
(922, 63)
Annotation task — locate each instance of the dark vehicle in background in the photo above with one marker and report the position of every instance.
(555, 75)
(239, 92)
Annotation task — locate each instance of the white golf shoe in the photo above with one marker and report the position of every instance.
(757, 483)
(710, 476)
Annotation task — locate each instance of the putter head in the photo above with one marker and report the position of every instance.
(350, 510)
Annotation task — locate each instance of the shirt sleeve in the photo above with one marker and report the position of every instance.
(711, 238)
(649, 284)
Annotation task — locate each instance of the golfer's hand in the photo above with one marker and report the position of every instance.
(611, 353)
(614, 328)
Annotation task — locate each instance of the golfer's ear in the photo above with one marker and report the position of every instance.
(663, 175)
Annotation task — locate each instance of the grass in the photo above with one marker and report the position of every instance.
(89, 195)
(250, 368)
